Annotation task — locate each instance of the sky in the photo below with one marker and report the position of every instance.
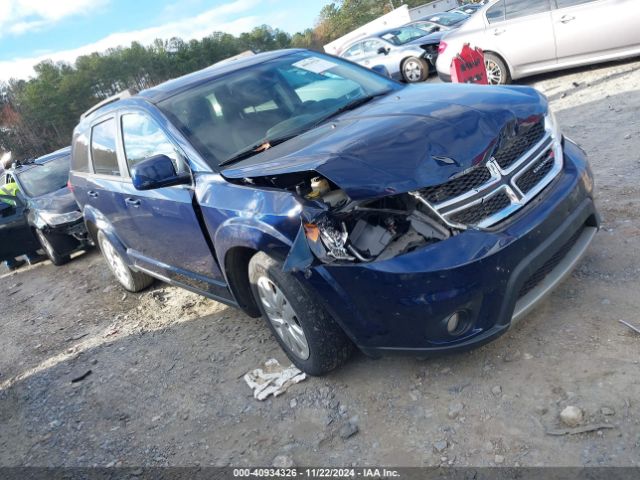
(62, 30)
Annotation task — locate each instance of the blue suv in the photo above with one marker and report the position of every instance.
(345, 208)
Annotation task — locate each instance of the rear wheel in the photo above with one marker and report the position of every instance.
(497, 71)
(415, 70)
(130, 280)
(49, 248)
(313, 341)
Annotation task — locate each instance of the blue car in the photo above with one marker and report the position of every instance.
(371, 215)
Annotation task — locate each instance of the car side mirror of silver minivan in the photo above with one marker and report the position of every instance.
(383, 51)
(157, 172)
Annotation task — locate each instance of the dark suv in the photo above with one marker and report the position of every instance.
(345, 208)
(44, 214)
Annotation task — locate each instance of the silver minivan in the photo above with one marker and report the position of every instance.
(526, 37)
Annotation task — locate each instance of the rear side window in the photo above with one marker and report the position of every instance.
(496, 13)
(143, 138)
(523, 8)
(571, 3)
(354, 51)
(103, 148)
(80, 154)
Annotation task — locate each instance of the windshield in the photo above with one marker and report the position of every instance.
(45, 178)
(403, 35)
(268, 102)
(447, 19)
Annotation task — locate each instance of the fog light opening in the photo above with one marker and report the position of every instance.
(457, 323)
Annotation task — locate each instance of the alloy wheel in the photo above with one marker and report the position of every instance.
(412, 70)
(119, 269)
(283, 317)
(494, 72)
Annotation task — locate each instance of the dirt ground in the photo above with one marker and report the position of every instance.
(166, 366)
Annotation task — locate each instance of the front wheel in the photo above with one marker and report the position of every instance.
(414, 70)
(312, 340)
(497, 71)
(47, 245)
(130, 280)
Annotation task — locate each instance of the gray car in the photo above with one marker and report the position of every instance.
(526, 37)
(404, 52)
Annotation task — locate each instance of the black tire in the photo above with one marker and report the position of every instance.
(49, 246)
(328, 346)
(494, 63)
(414, 70)
(129, 279)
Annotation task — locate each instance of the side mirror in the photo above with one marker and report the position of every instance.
(383, 51)
(382, 70)
(436, 29)
(157, 172)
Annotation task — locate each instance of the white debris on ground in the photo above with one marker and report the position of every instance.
(272, 379)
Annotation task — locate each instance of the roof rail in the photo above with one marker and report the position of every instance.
(130, 92)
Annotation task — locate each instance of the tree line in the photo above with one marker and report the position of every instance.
(38, 115)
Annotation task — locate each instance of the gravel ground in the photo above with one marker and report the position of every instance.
(165, 384)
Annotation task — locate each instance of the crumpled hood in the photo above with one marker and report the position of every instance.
(60, 201)
(415, 137)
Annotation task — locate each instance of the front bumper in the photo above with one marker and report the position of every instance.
(493, 277)
(68, 237)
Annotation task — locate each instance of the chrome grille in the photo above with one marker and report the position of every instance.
(513, 148)
(478, 212)
(475, 178)
(488, 194)
(534, 175)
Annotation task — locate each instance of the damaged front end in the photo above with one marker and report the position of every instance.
(336, 229)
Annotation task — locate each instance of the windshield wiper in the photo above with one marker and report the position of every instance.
(266, 144)
(263, 146)
(358, 102)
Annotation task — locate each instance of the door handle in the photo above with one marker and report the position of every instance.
(499, 31)
(132, 202)
(567, 19)
(92, 194)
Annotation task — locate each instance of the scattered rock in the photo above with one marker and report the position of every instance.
(627, 136)
(283, 461)
(440, 446)
(498, 460)
(497, 390)
(455, 409)
(527, 356)
(541, 409)
(607, 411)
(80, 377)
(342, 409)
(512, 356)
(348, 430)
(293, 403)
(571, 416)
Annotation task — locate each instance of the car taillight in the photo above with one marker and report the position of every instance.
(442, 47)
(69, 186)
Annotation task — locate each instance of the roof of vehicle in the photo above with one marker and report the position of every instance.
(434, 17)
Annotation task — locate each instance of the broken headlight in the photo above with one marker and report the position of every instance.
(374, 231)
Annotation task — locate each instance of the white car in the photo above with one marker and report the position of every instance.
(526, 37)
